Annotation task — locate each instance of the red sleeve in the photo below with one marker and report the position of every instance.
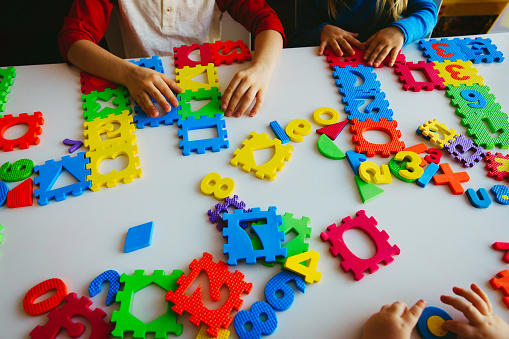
(254, 15)
(87, 20)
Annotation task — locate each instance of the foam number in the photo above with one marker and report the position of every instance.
(440, 51)
(110, 276)
(309, 271)
(369, 171)
(39, 290)
(434, 155)
(413, 169)
(214, 184)
(478, 100)
(331, 112)
(456, 74)
(259, 310)
(297, 129)
(17, 171)
(279, 284)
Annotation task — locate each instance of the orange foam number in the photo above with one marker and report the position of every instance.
(39, 290)
(455, 74)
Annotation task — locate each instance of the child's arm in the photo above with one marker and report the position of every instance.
(476, 307)
(394, 321)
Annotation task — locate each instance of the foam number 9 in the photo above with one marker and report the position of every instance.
(474, 96)
(279, 283)
(413, 169)
(17, 171)
(440, 51)
(297, 129)
(369, 171)
(214, 184)
(259, 310)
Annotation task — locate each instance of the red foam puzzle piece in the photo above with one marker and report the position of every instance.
(181, 55)
(406, 77)
(502, 283)
(34, 123)
(332, 131)
(497, 165)
(21, 195)
(502, 246)
(453, 180)
(225, 52)
(39, 290)
(370, 149)
(90, 83)
(357, 59)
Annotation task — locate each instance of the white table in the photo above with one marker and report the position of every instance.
(444, 241)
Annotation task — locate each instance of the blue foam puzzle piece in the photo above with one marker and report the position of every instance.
(200, 146)
(111, 276)
(479, 50)
(346, 79)
(279, 132)
(279, 283)
(253, 316)
(422, 326)
(139, 237)
(479, 199)
(419, 132)
(239, 244)
(501, 194)
(375, 110)
(51, 170)
(355, 159)
(154, 63)
(425, 178)
(448, 48)
(141, 119)
(3, 192)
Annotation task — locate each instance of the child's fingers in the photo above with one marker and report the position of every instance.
(381, 56)
(147, 105)
(460, 328)
(471, 313)
(483, 296)
(413, 314)
(345, 46)
(336, 48)
(246, 100)
(394, 56)
(473, 298)
(236, 98)
(227, 95)
(370, 50)
(354, 42)
(260, 97)
(398, 308)
(323, 44)
(171, 88)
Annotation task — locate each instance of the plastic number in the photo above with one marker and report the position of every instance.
(17, 171)
(474, 96)
(297, 129)
(214, 184)
(501, 194)
(309, 271)
(110, 276)
(259, 327)
(317, 116)
(413, 168)
(39, 290)
(440, 51)
(369, 171)
(455, 74)
(434, 155)
(280, 283)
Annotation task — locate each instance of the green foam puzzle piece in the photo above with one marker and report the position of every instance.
(210, 109)
(328, 148)
(1, 235)
(368, 191)
(93, 108)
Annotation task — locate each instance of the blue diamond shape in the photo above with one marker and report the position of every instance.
(138, 237)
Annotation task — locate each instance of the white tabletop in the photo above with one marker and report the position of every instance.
(444, 241)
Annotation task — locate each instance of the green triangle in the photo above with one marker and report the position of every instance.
(328, 148)
(367, 190)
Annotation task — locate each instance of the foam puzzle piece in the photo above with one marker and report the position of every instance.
(419, 132)
(356, 59)
(154, 63)
(375, 110)
(216, 215)
(110, 276)
(75, 144)
(309, 271)
(430, 323)
(297, 129)
(3, 193)
(141, 119)
(367, 191)
(181, 55)
(61, 318)
(3, 100)
(51, 170)
(479, 50)
(21, 195)
(239, 244)
(298, 244)
(125, 321)
(138, 237)
(211, 109)
(501, 281)
(332, 131)
(473, 99)
(259, 328)
(479, 199)
(219, 276)
(429, 172)
(453, 180)
(347, 79)
(279, 132)
(351, 262)
(184, 77)
(369, 171)
(118, 128)
(500, 194)
(441, 50)
(90, 83)
(34, 123)
(1, 235)
(433, 129)
(221, 334)
(227, 52)
(119, 98)
(6, 76)
(497, 165)
(355, 160)
(109, 180)
(460, 146)
(458, 72)
(434, 79)
(484, 125)
(502, 246)
(200, 146)
(328, 148)
(17, 171)
(245, 155)
(370, 149)
(279, 283)
(331, 112)
(213, 184)
(41, 289)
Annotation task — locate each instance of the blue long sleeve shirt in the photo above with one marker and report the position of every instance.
(418, 20)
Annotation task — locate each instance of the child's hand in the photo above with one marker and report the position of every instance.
(387, 41)
(339, 39)
(476, 307)
(394, 321)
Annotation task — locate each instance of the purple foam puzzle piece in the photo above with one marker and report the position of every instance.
(215, 216)
(465, 145)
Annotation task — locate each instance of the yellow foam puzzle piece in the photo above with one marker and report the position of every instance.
(504, 167)
(458, 72)
(185, 75)
(433, 125)
(222, 334)
(122, 134)
(311, 275)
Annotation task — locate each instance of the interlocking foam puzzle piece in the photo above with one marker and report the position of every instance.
(356, 59)
(311, 275)
(34, 123)
(355, 159)
(433, 129)
(245, 155)
(254, 316)
(6, 76)
(279, 132)
(214, 184)
(41, 289)
(453, 180)
(61, 318)
(51, 170)
(329, 149)
(219, 276)
(370, 149)
(483, 125)
(92, 106)
(297, 129)
(75, 144)
(367, 190)
(216, 215)
(110, 276)
(461, 145)
(141, 119)
(3, 100)
(502, 246)
(21, 195)
(375, 110)
(138, 237)
(502, 282)
(497, 165)
(430, 323)
(500, 194)
(441, 50)
(118, 128)
(127, 322)
(125, 175)
(332, 131)
(154, 63)
(435, 81)
(479, 50)
(370, 171)
(90, 83)
(1, 235)
(181, 55)
(226, 52)
(458, 72)
(221, 334)
(3, 192)
(331, 112)
(429, 172)
(211, 109)
(347, 78)
(472, 99)
(351, 262)
(279, 283)
(17, 171)
(239, 244)
(185, 75)
(479, 199)
(200, 146)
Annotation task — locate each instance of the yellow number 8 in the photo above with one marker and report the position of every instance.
(214, 184)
